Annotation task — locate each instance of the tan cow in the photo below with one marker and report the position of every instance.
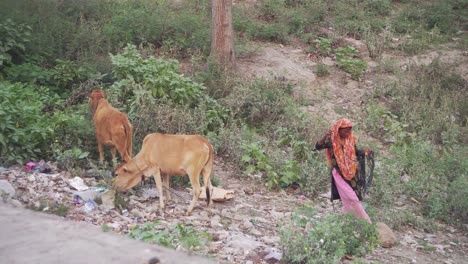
(170, 155)
(112, 127)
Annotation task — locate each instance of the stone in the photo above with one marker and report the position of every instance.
(215, 221)
(385, 235)
(6, 187)
(247, 224)
(242, 242)
(271, 239)
(16, 203)
(31, 177)
(405, 178)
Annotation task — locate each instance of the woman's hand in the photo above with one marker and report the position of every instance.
(368, 152)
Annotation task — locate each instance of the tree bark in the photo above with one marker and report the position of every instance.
(222, 33)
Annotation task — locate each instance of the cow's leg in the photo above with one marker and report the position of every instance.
(206, 172)
(166, 186)
(194, 175)
(120, 139)
(101, 154)
(157, 178)
(112, 149)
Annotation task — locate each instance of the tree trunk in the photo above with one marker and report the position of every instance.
(222, 33)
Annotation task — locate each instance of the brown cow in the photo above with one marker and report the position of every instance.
(176, 155)
(112, 127)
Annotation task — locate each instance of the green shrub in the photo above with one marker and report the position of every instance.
(185, 236)
(157, 76)
(324, 46)
(354, 17)
(14, 38)
(344, 60)
(28, 73)
(25, 131)
(257, 101)
(307, 240)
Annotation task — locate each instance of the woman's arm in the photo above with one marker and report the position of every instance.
(325, 142)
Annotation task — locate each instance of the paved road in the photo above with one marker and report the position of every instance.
(32, 237)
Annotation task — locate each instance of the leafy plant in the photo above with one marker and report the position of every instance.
(24, 130)
(344, 60)
(324, 45)
(13, 42)
(157, 76)
(187, 237)
(322, 70)
(308, 240)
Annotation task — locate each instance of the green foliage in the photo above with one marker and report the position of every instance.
(322, 70)
(324, 45)
(14, 38)
(259, 100)
(158, 98)
(50, 207)
(105, 228)
(429, 15)
(25, 130)
(66, 73)
(281, 173)
(354, 17)
(158, 76)
(307, 240)
(344, 60)
(387, 126)
(176, 235)
(28, 73)
(430, 100)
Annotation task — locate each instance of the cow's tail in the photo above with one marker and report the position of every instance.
(129, 132)
(207, 171)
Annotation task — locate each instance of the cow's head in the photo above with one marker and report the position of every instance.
(96, 96)
(127, 175)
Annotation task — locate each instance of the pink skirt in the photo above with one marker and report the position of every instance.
(348, 197)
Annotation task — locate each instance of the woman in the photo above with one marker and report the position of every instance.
(342, 156)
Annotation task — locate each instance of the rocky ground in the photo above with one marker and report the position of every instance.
(243, 229)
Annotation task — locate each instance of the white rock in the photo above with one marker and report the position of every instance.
(6, 187)
(243, 242)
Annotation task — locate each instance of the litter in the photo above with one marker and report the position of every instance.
(77, 200)
(89, 206)
(78, 184)
(31, 165)
(218, 195)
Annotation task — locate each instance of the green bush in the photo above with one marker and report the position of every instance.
(25, 131)
(307, 240)
(29, 73)
(258, 101)
(157, 76)
(14, 38)
(344, 60)
(354, 17)
(176, 235)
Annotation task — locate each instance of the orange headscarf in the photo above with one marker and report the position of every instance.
(344, 149)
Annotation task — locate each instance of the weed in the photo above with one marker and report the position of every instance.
(105, 228)
(322, 70)
(187, 237)
(307, 240)
(50, 207)
(324, 46)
